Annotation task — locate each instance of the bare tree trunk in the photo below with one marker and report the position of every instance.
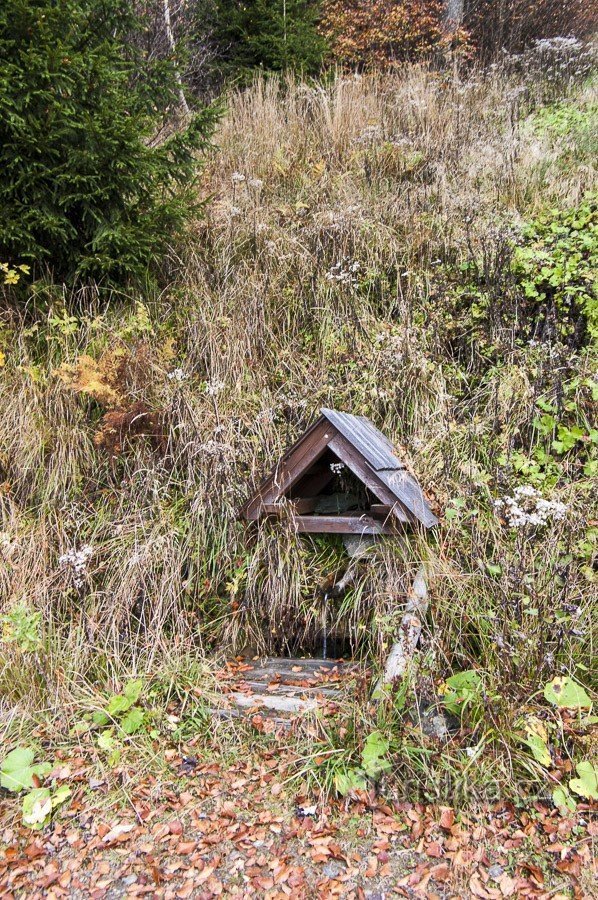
(403, 650)
(453, 11)
(171, 41)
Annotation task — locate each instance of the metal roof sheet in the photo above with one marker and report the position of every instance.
(378, 451)
(365, 437)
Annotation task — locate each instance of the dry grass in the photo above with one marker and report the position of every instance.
(406, 175)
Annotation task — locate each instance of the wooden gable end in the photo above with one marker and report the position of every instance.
(368, 454)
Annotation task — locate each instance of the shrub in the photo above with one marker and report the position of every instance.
(383, 31)
(87, 189)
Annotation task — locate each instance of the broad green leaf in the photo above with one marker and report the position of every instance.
(351, 780)
(539, 749)
(106, 740)
(39, 803)
(586, 784)
(118, 704)
(37, 807)
(562, 797)
(461, 689)
(563, 691)
(133, 720)
(536, 738)
(100, 717)
(372, 757)
(132, 690)
(16, 772)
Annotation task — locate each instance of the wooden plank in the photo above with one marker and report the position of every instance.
(406, 488)
(284, 665)
(291, 467)
(380, 510)
(340, 525)
(291, 690)
(299, 506)
(359, 466)
(228, 714)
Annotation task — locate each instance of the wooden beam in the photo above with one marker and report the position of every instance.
(341, 525)
(380, 510)
(299, 506)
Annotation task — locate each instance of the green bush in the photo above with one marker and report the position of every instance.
(87, 190)
(556, 268)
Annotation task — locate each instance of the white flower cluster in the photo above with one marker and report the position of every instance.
(177, 375)
(337, 467)
(369, 134)
(256, 183)
(237, 177)
(77, 561)
(344, 272)
(558, 44)
(528, 507)
(214, 387)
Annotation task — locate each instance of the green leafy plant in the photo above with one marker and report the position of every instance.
(565, 692)
(373, 764)
(18, 770)
(121, 709)
(535, 737)
(556, 265)
(22, 626)
(40, 803)
(462, 693)
(585, 786)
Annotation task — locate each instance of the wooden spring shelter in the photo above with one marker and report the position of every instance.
(380, 496)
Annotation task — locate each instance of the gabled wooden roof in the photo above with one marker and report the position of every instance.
(367, 452)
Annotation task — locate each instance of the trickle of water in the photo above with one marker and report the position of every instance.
(325, 628)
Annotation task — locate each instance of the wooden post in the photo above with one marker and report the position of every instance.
(403, 650)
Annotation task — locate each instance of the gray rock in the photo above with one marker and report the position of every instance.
(332, 870)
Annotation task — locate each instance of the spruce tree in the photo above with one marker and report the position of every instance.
(275, 35)
(88, 187)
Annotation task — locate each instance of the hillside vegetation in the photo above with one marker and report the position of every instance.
(418, 247)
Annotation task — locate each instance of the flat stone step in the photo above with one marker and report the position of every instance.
(278, 685)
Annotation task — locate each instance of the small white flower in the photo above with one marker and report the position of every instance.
(344, 272)
(237, 177)
(77, 561)
(337, 467)
(256, 183)
(214, 387)
(235, 211)
(528, 507)
(177, 375)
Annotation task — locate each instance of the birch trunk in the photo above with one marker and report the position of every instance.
(172, 43)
